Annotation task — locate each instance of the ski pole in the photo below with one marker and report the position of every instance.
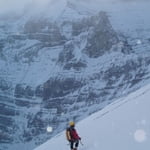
(81, 142)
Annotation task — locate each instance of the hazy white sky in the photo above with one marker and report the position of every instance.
(18, 5)
(12, 5)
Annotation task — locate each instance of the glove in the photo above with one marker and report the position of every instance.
(79, 138)
(71, 140)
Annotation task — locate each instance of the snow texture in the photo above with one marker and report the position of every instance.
(123, 125)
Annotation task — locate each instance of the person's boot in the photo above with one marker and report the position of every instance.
(75, 149)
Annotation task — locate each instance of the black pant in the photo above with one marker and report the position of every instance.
(74, 143)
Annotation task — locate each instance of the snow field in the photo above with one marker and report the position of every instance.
(123, 125)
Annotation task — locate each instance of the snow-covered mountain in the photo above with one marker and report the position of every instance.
(123, 124)
(65, 59)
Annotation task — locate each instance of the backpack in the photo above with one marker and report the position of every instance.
(71, 134)
(68, 135)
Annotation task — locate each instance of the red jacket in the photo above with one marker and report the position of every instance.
(72, 134)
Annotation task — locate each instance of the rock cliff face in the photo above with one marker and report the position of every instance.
(52, 72)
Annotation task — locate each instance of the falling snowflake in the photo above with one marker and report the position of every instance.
(140, 135)
(139, 42)
(49, 129)
(143, 122)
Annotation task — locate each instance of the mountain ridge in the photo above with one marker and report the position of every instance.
(52, 71)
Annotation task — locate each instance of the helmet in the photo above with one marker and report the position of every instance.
(71, 123)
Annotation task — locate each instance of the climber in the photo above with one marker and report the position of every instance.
(72, 136)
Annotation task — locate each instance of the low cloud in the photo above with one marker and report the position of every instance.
(7, 6)
(17, 6)
(12, 5)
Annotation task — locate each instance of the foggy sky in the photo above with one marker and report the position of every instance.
(19, 5)
(12, 5)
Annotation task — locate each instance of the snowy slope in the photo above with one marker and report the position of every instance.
(123, 125)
